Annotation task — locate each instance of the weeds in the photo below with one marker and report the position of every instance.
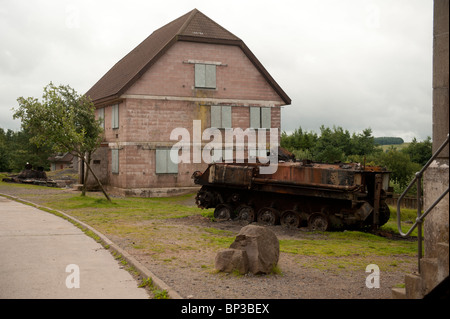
(157, 293)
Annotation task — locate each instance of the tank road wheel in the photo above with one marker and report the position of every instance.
(290, 219)
(223, 212)
(205, 199)
(385, 214)
(246, 212)
(318, 221)
(268, 216)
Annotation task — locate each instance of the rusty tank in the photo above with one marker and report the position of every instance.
(299, 194)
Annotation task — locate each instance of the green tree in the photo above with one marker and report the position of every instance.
(21, 151)
(419, 152)
(16, 150)
(362, 144)
(400, 164)
(298, 140)
(333, 145)
(65, 121)
(4, 157)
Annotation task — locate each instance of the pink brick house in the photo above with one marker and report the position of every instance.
(190, 69)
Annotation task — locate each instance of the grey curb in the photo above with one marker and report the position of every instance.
(146, 273)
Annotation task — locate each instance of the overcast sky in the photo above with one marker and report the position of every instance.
(351, 63)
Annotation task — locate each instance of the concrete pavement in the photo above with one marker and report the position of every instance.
(44, 256)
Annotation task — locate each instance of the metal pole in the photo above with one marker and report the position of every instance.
(419, 174)
(419, 213)
(420, 218)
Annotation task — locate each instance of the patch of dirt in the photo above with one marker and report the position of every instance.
(191, 273)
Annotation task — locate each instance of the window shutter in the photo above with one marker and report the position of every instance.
(255, 117)
(200, 75)
(115, 161)
(226, 117)
(164, 164)
(161, 161)
(171, 166)
(266, 117)
(115, 116)
(205, 76)
(216, 116)
(210, 76)
(101, 116)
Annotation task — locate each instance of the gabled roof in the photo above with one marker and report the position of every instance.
(61, 157)
(194, 26)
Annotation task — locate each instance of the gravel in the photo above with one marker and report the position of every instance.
(299, 278)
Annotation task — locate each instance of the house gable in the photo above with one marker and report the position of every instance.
(237, 80)
(191, 27)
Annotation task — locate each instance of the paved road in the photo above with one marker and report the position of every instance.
(44, 256)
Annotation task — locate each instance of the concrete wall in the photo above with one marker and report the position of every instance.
(440, 75)
(436, 178)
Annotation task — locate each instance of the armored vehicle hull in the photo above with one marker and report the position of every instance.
(319, 196)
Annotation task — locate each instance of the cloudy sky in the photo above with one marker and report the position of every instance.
(351, 63)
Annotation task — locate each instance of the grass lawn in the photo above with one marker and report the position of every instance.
(144, 225)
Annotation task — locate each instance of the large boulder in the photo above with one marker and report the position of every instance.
(229, 260)
(262, 248)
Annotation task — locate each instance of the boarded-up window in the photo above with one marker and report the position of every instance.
(115, 161)
(266, 117)
(205, 76)
(101, 116)
(115, 116)
(260, 117)
(220, 116)
(255, 117)
(164, 164)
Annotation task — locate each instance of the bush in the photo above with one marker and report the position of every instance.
(401, 166)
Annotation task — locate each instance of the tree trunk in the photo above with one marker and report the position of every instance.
(86, 175)
(98, 181)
